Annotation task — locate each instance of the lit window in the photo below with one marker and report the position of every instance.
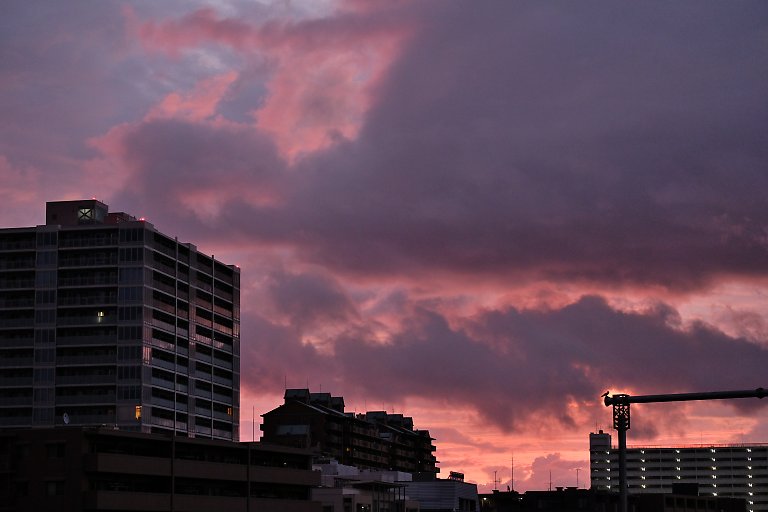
(138, 412)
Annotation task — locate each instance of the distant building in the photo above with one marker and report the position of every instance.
(571, 499)
(87, 469)
(443, 495)
(737, 471)
(347, 488)
(104, 320)
(374, 440)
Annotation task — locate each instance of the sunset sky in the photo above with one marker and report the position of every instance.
(480, 214)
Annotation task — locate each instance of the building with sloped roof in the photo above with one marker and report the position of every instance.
(372, 440)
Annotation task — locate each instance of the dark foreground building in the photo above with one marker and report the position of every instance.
(372, 440)
(89, 469)
(104, 320)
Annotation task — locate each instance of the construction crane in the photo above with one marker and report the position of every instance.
(621, 419)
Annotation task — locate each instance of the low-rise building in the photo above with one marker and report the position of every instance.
(451, 494)
(91, 468)
(347, 488)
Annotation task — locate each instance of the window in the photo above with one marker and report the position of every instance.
(131, 313)
(131, 254)
(54, 488)
(45, 336)
(45, 278)
(132, 235)
(45, 316)
(45, 297)
(130, 294)
(129, 333)
(46, 258)
(131, 275)
(47, 239)
(55, 450)
(45, 355)
(43, 375)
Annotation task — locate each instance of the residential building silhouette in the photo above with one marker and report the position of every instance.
(370, 440)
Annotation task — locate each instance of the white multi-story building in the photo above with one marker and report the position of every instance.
(736, 470)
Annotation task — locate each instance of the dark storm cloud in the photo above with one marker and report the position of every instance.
(512, 365)
(618, 145)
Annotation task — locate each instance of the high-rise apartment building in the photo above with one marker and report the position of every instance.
(104, 320)
(738, 471)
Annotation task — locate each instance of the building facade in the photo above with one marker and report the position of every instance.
(98, 468)
(372, 440)
(104, 320)
(571, 499)
(738, 471)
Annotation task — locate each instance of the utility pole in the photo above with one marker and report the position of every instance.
(621, 402)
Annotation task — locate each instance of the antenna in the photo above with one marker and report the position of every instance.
(496, 481)
(513, 471)
(253, 423)
(550, 479)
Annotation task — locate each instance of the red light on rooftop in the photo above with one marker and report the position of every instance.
(141, 219)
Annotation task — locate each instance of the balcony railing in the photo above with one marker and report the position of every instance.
(86, 359)
(92, 399)
(85, 379)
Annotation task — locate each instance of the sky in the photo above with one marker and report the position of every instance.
(483, 215)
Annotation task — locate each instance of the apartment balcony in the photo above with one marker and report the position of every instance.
(16, 362)
(100, 359)
(86, 339)
(11, 401)
(15, 421)
(162, 363)
(87, 320)
(18, 263)
(163, 383)
(99, 300)
(222, 380)
(17, 283)
(18, 245)
(87, 280)
(17, 322)
(86, 399)
(88, 261)
(77, 380)
(23, 303)
(87, 419)
(13, 382)
(87, 241)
